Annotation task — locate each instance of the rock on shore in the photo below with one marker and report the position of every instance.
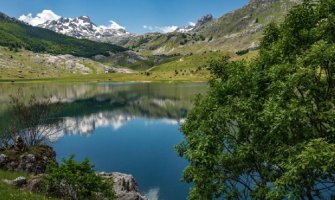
(125, 186)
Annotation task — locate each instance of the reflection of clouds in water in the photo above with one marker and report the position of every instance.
(165, 121)
(153, 194)
(87, 124)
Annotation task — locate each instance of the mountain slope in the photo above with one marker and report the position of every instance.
(237, 30)
(252, 17)
(15, 34)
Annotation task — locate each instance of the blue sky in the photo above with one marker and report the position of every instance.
(132, 14)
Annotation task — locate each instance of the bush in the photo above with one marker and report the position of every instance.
(76, 180)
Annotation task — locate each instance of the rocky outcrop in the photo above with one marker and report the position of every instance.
(33, 160)
(204, 20)
(125, 186)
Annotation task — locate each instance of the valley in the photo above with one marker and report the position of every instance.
(83, 51)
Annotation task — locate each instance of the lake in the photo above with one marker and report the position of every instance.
(123, 127)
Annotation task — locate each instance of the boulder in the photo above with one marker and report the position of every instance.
(18, 182)
(125, 186)
(3, 159)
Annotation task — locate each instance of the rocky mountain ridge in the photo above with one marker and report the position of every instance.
(191, 27)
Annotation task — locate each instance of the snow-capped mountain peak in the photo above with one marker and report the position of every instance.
(83, 27)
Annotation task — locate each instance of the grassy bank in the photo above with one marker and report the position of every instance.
(136, 77)
(191, 68)
(11, 193)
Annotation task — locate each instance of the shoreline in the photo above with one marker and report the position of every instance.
(56, 80)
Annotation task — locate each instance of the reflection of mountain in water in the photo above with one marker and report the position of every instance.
(87, 124)
(100, 105)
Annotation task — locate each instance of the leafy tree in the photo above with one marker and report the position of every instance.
(266, 129)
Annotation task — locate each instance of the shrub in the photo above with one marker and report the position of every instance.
(76, 180)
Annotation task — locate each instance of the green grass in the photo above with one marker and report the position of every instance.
(136, 77)
(11, 193)
(189, 68)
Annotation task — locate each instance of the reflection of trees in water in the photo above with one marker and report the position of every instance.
(84, 116)
(31, 123)
(115, 106)
(72, 91)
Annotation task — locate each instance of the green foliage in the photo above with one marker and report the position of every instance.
(266, 129)
(76, 180)
(15, 34)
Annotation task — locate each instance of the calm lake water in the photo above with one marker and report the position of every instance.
(124, 127)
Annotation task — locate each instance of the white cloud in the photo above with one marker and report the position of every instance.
(167, 29)
(153, 194)
(150, 28)
(191, 24)
(163, 29)
(40, 18)
(115, 25)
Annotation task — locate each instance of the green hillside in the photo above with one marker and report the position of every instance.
(15, 35)
(249, 19)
